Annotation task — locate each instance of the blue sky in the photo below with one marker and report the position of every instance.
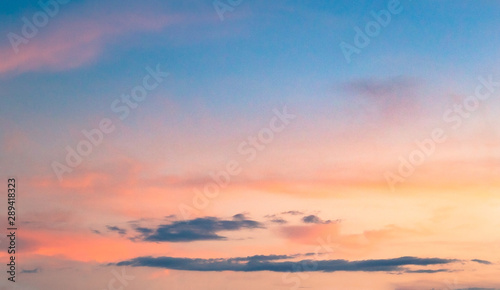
(231, 80)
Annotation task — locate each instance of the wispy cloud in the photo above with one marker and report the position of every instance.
(34, 271)
(293, 212)
(279, 221)
(390, 99)
(117, 229)
(481, 261)
(79, 35)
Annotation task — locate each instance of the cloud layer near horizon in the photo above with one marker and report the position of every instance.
(269, 263)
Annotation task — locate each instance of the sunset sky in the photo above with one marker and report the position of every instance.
(237, 144)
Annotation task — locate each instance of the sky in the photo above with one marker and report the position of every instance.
(236, 144)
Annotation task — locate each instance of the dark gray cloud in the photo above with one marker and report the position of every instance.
(427, 271)
(239, 216)
(279, 221)
(481, 261)
(117, 229)
(144, 231)
(199, 229)
(36, 270)
(276, 219)
(271, 263)
(312, 219)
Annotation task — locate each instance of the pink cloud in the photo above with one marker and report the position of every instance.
(71, 42)
(348, 245)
